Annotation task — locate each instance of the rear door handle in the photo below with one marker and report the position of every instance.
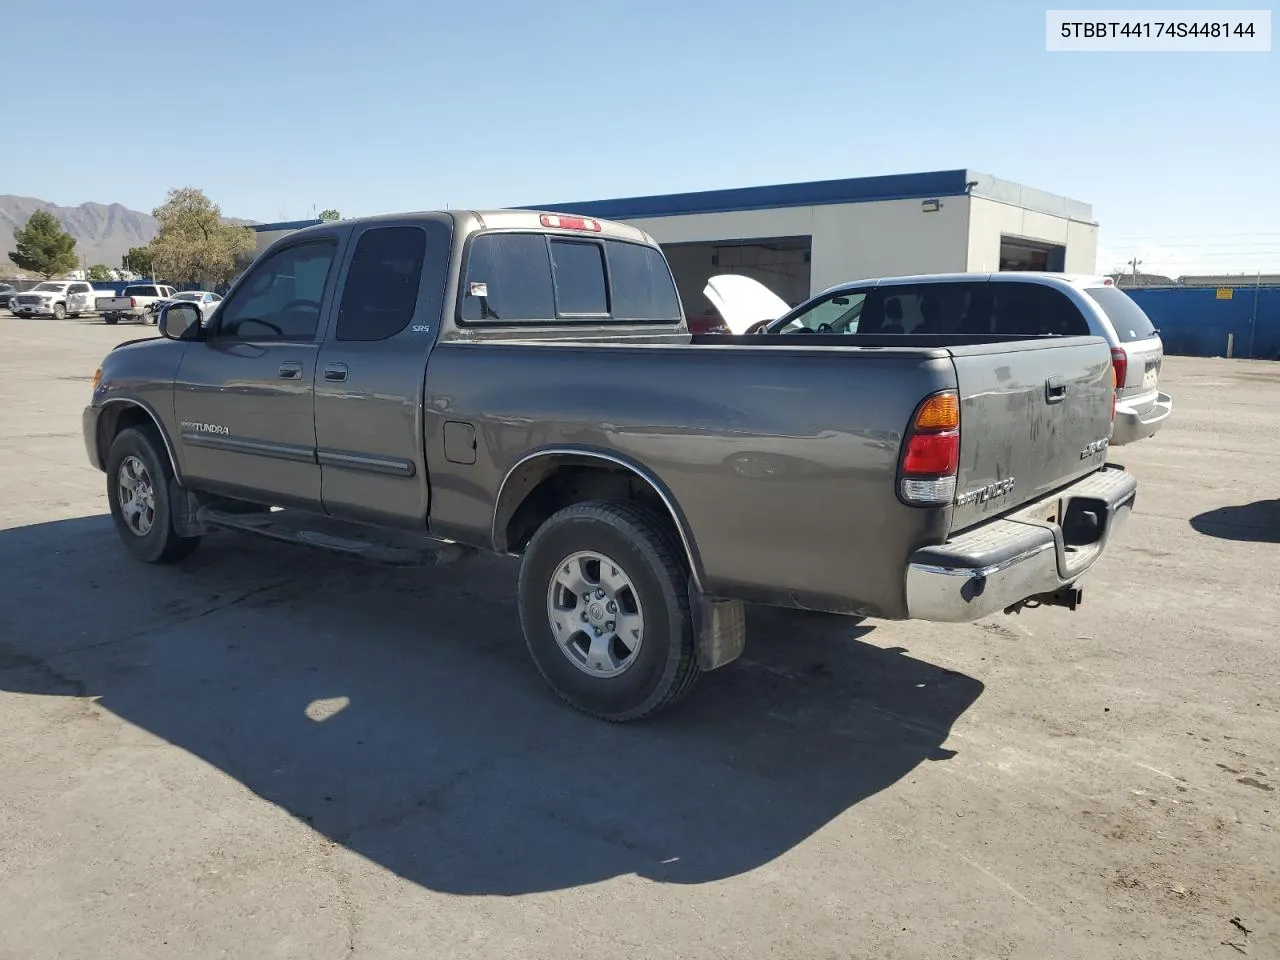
(335, 371)
(1055, 390)
(291, 370)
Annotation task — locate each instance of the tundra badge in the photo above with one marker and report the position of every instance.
(1098, 446)
(192, 427)
(992, 490)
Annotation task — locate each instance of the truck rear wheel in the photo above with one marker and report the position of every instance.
(604, 605)
(138, 475)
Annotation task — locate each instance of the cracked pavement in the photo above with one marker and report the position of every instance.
(269, 751)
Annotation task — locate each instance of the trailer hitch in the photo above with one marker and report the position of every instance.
(1069, 597)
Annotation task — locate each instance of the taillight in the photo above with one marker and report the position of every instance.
(931, 454)
(133, 301)
(570, 223)
(1120, 365)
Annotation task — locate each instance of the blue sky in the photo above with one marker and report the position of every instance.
(385, 105)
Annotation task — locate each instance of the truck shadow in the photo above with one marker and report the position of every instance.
(1257, 522)
(397, 713)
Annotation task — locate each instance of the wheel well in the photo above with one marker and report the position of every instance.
(552, 483)
(116, 418)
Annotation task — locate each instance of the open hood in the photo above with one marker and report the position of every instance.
(741, 301)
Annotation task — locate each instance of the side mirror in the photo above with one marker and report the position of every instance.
(180, 321)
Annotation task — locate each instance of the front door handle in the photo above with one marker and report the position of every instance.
(335, 371)
(291, 370)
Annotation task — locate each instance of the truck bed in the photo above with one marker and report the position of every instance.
(728, 426)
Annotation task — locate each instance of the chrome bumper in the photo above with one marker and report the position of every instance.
(1131, 426)
(1018, 557)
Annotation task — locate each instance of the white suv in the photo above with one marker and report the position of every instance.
(974, 304)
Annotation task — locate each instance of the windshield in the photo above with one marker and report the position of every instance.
(186, 296)
(55, 287)
(1126, 316)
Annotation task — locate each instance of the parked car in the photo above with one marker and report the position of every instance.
(204, 300)
(1026, 303)
(53, 298)
(6, 291)
(134, 303)
(406, 388)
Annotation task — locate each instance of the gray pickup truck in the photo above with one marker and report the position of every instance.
(411, 388)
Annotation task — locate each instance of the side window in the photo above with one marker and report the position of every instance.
(926, 309)
(382, 284)
(1033, 309)
(282, 298)
(841, 313)
(578, 269)
(508, 279)
(642, 284)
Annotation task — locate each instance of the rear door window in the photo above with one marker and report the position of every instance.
(578, 269)
(508, 279)
(1127, 317)
(927, 309)
(381, 291)
(1034, 310)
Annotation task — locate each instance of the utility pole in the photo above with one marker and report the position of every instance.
(1134, 263)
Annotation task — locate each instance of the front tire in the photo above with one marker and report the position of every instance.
(604, 606)
(59, 311)
(138, 475)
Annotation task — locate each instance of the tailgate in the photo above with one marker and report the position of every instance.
(111, 303)
(1034, 416)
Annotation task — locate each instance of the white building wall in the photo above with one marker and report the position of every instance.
(989, 220)
(851, 241)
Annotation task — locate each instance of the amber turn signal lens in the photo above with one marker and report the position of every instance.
(939, 412)
(97, 376)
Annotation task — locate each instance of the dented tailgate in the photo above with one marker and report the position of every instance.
(1034, 416)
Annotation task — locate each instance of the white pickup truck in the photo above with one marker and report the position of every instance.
(134, 303)
(53, 298)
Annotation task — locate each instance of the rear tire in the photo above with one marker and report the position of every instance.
(620, 555)
(138, 475)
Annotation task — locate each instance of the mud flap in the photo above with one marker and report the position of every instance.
(721, 629)
(184, 504)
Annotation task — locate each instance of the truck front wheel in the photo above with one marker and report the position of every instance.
(138, 475)
(59, 311)
(604, 605)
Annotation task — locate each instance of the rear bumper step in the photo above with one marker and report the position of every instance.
(1035, 554)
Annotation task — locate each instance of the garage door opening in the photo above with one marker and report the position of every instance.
(780, 263)
(1019, 254)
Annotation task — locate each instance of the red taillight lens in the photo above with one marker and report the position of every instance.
(133, 301)
(1120, 364)
(932, 454)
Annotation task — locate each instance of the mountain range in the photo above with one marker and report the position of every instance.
(104, 232)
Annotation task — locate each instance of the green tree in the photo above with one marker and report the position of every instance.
(330, 214)
(137, 260)
(43, 247)
(194, 245)
(100, 272)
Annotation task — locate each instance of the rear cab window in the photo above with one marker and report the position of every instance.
(1129, 320)
(139, 292)
(554, 278)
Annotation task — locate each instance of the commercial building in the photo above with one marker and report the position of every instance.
(799, 238)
